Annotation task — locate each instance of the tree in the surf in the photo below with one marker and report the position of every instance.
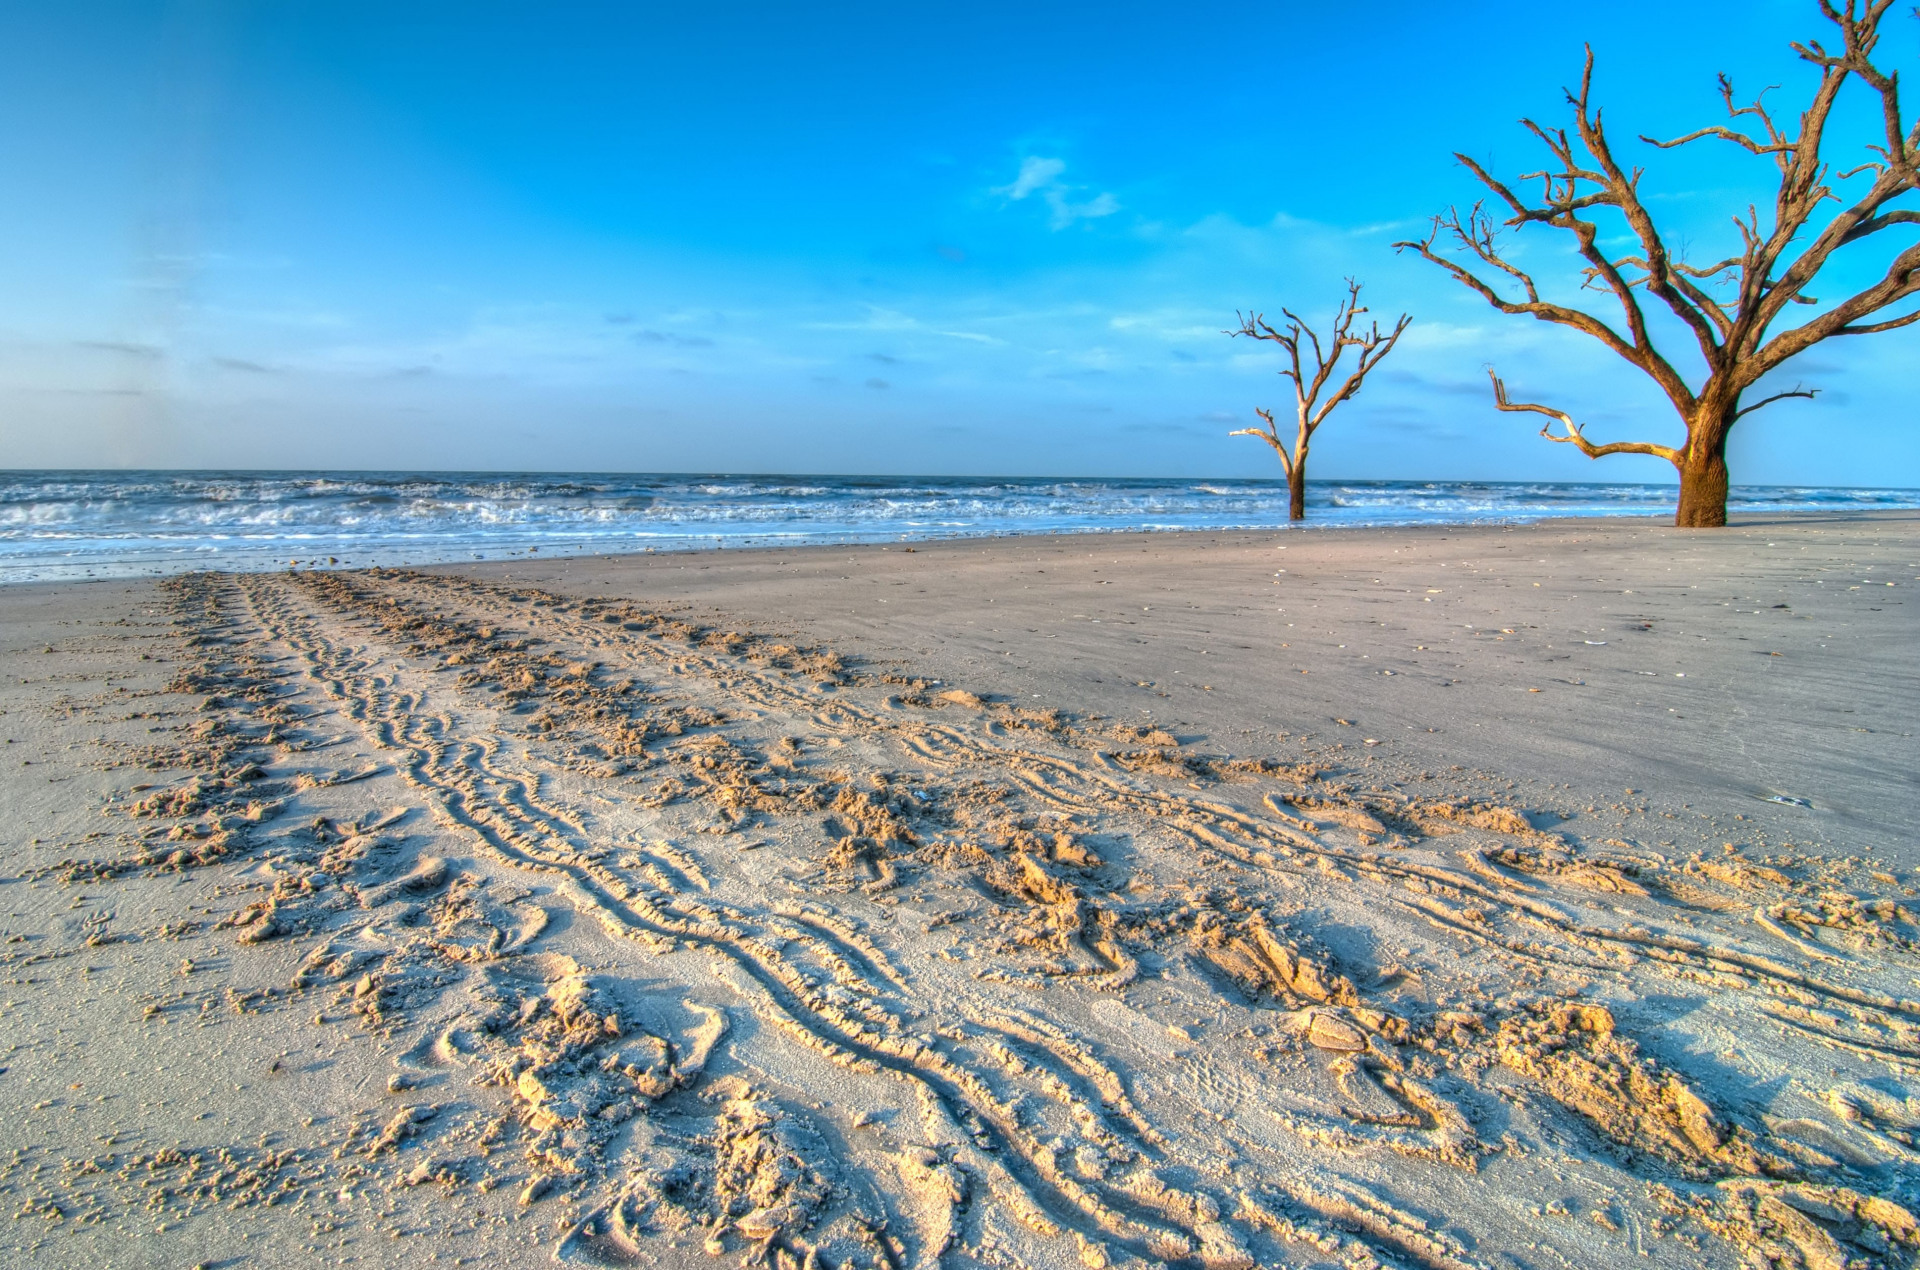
(1302, 344)
(1734, 307)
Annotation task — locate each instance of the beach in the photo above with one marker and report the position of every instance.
(1443, 895)
(1521, 650)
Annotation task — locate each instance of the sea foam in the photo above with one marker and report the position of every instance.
(68, 525)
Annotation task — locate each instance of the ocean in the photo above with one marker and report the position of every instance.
(79, 525)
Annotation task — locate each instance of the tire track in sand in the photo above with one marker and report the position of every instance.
(503, 812)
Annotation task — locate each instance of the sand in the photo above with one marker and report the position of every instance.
(1406, 897)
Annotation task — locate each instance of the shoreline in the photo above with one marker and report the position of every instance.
(698, 544)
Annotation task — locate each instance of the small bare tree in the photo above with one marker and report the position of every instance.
(1729, 306)
(1308, 383)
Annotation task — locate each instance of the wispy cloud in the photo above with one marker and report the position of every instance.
(122, 347)
(1036, 174)
(244, 366)
(1170, 323)
(672, 337)
(1041, 176)
(879, 319)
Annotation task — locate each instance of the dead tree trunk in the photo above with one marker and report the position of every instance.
(1308, 383)
(1732, 307)
(1703, 473)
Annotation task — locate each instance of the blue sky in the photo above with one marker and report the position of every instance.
(980, 238)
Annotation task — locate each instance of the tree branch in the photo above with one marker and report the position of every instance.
(1545, 311)
(1796, 391)
(1901, 281)
(1271, 435)
(1574, 436)
(1874, 328)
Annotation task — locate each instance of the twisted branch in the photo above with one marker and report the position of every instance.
(1574, 436)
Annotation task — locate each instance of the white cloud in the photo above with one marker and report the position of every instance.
(1042, 176)
(1173, 324)
(1065, 213)
(1035, 174)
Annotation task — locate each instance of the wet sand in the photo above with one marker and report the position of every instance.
(1401, 897)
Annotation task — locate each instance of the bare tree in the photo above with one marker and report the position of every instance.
(1308, 383)
(1731, 306)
